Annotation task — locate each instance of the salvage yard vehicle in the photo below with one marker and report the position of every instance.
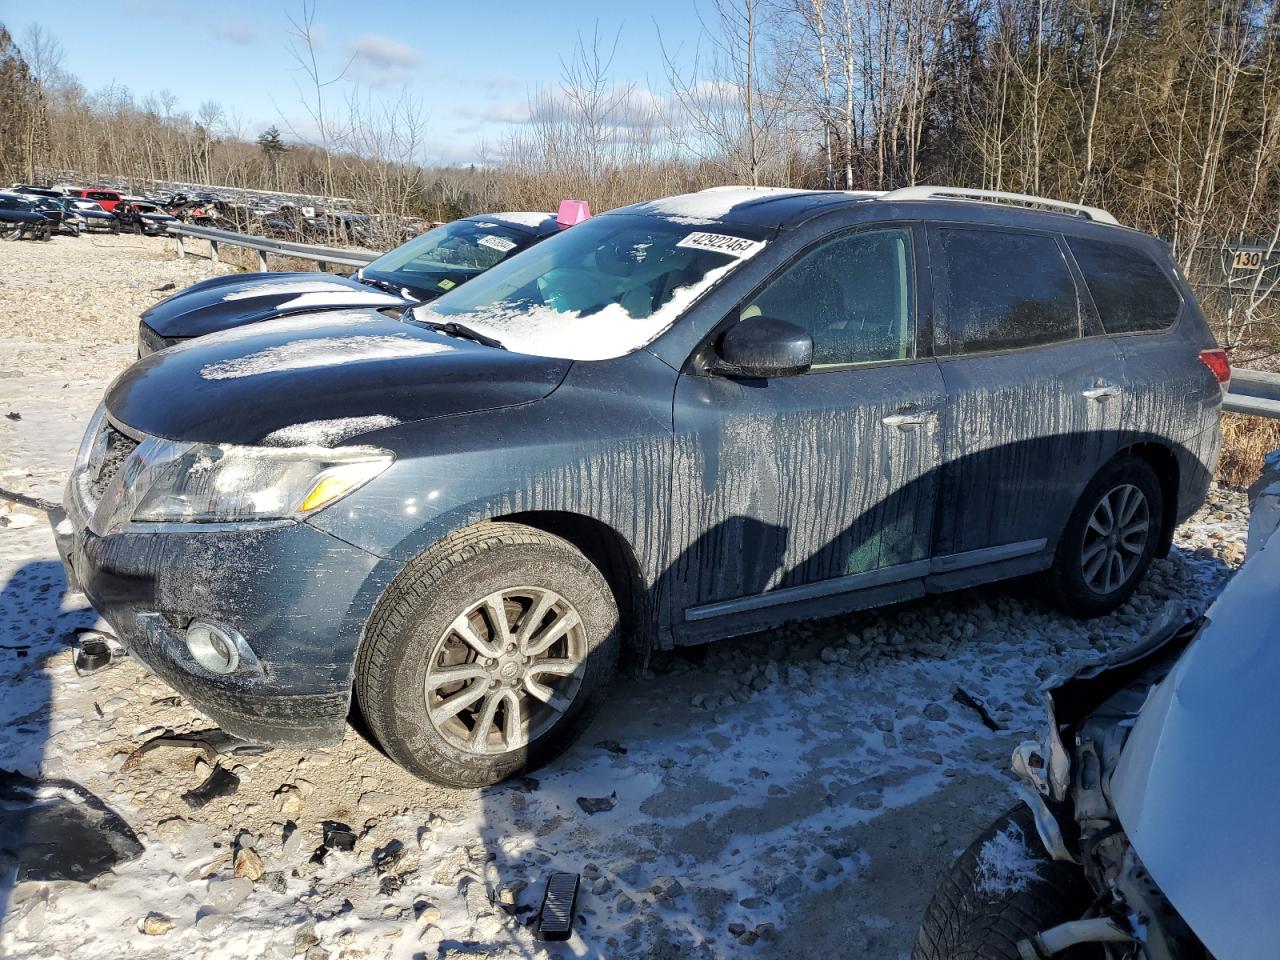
(1147, 830)
(686, 419)
(420, 270)
(20, 219)
(94, 216)
(144, 217)
(106, 198)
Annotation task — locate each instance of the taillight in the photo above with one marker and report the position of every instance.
(1216, 361)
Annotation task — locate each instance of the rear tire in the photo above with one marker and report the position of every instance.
(439, 619)
(975, 916)
(1110, 539)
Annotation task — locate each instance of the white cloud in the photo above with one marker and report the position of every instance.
(236, 31)
(383, 53)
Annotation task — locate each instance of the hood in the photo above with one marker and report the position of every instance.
(221, 303)
(1196, 784)
(279, 378)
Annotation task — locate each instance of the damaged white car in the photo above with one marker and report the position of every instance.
(1148, 830)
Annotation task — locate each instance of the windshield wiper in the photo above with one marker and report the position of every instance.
(383, 285)
(454, 329)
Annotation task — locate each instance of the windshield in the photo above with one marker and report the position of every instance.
(447, 256)
(600, 290)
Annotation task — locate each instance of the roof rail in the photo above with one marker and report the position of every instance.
(996, 196)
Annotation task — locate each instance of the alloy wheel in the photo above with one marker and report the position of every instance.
(1115, 539)
(505, 670)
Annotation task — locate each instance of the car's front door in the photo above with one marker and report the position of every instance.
(820, 487)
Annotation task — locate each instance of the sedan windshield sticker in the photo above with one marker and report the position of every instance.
(501, 244)
(738, 247)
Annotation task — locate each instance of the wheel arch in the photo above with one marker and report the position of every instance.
(611, 553)
(1165, 465)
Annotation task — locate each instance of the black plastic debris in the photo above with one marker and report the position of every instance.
(57, 830)
(559, 903)
(966, 699)
(13, 415)
(220, 783)
(92, 654)
(211, 743)
(612, 746)
(598, 804)
(337, 836)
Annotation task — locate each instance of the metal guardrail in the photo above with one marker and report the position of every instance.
(1254, 392)
(266, 245)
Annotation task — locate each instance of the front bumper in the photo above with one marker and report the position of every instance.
(299, 596)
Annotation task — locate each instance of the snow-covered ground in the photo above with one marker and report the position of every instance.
(794, 794)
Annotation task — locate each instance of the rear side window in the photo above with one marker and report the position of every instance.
(1129, 289)
(1005, 290)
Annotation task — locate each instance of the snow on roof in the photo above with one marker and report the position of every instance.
(525, 218)
(708, 206)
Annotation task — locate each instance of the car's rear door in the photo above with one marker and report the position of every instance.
(1170, 394)
(816, 488)
(1033, 397)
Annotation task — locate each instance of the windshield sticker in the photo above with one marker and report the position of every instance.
(722, 243)
(446, 284)
(501, 244)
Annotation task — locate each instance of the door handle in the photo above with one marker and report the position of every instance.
(1101, 393)
(903, 421)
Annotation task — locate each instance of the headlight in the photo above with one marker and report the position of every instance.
(198, 482)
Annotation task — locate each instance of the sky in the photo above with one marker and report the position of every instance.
(473, 64)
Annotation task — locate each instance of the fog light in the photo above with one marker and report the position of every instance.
(215, 647)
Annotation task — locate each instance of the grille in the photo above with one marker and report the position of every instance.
(116, 451)
(149, 341)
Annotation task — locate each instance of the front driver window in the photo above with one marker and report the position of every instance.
(854, 294)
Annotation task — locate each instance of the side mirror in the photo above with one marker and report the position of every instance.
(764, 347)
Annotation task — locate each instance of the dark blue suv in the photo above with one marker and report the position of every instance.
(678, 421)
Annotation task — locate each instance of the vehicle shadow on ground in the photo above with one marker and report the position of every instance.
(50, 828)
(661, 804)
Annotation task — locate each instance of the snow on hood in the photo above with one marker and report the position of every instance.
(709, 206)
(1197, 782)
(326, 433)
(321, 352)
(269, 288)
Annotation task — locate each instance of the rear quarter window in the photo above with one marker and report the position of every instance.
(1004, 290)
(1128, 287)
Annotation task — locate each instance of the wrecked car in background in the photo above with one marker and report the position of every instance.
(94, 216)
(143, 216)
(420, 270)
(21, 218)
(1148, 829)
(682, 420)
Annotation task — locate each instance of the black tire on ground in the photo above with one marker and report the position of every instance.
(1066, 579)
(971, 918)
(411, 626)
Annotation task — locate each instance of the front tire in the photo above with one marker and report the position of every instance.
(980, 911)
(488, 656)
(1110, 539)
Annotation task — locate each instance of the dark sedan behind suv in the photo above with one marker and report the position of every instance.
(422, 269)
(681, 420)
